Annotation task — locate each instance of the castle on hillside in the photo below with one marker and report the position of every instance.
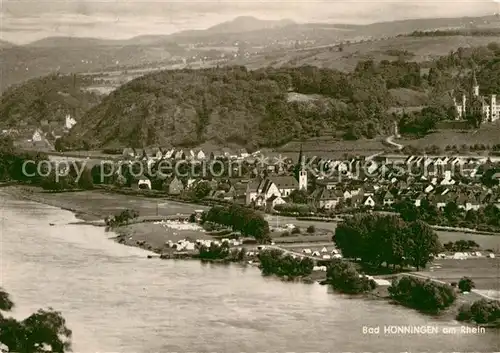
(473, 103)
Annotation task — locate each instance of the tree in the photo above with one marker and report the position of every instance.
(407, 210)
(43, 331)
(311, 229)
(202, 190)
(59, 145)
(298, 196)
(86, 182)
(422, 294)
(451, 211)
(466, 284)
(379, 239)
(423, 242)
(342, 276)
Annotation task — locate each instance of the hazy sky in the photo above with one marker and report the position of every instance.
(22, 21)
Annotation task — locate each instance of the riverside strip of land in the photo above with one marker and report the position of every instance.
(93, 206)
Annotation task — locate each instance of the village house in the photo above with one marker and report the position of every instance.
(388, 199)
(37, 136)
(143, 182)
(200, 155)
(258, 192)
(368, 201)
(69, 122)
(176, 187)
(180, 155)
(273, 201)
(324, 198)
(285, 184)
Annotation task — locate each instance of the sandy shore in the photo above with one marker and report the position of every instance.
(97, 204)
(153, 236)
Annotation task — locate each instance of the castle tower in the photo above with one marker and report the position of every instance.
(494, 110)
(396, 130)
(464, 106)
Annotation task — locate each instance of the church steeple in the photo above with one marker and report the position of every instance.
(299, 165)
(474, 84)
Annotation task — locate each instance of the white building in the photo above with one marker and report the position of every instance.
(70, 122)
(37, 136)
(487, 105)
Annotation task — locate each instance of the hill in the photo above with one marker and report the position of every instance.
(234, 105)
(48, 98)
(347, 56)
(247, 24)
(6, 45)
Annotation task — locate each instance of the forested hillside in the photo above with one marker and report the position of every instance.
(263, 108)
(47, 98)
(233, 104)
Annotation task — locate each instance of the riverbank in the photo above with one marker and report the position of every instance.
(93, 206)
(152, 237)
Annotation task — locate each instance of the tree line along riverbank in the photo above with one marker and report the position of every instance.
(372, 242)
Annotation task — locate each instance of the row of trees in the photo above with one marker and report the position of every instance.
(247, 221)
(450, 215)
(378, 240)
(43, 331)
(274, 262)
(422, 294)
(12, 161)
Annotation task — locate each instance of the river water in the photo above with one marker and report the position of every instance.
(117, 300)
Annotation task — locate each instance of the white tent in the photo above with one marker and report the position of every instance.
(324, 250)
(459, 256)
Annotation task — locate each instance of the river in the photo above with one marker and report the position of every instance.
(117, 300)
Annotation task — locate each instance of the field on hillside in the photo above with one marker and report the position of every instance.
(423, 49)
(331, 147)
(488, 134)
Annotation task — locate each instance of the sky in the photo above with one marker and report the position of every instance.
(23, 21)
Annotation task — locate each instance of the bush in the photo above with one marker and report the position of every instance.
(466, 284)
(272, 262)
(214, 251)
(44, 328)
(285, 234)
(296, 230)
(124, 217)
(482, 312)
(421, 294)
(343, 277)
(311, 229)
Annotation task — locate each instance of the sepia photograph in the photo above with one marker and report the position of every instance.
(236, 176)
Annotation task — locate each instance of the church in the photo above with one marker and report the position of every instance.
(473, 102)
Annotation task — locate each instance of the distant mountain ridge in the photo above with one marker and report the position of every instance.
(248, 24)
(244, 24)
(19, 63)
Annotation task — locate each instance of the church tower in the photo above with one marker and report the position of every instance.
(474, 86)
(301, 172)
(303, 180)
